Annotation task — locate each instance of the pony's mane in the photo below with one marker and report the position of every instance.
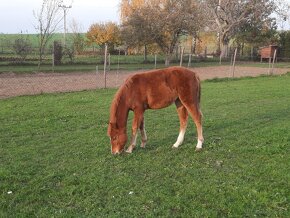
(117, 99)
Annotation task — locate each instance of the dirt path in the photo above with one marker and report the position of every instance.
(31, 84)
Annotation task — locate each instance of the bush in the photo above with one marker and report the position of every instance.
(22, 48)
(57, 52)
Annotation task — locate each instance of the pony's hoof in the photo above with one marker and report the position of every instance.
(198, 149)
(174, 147)
(129, 151)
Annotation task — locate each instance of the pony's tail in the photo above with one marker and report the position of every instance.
(198, 94)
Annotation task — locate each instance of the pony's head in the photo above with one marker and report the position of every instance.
(118, 138)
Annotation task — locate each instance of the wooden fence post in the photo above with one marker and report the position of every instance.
(234, 63)
(181, 56)
(274, 59)
(189, 60)
(105, 65)
(269, 70)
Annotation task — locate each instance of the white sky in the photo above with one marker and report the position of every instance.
(17, 15)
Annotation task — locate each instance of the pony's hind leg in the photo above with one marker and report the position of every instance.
(196, 115)
(183, 117)
(143, 134)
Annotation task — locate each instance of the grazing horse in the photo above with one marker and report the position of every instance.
(155, 89)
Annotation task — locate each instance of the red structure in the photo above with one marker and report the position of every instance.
(268, 51)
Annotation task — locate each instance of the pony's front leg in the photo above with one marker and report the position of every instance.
(138, 117)
(133, 142)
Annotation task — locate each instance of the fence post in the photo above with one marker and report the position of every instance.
(105, 65)
(53, 57)
(274, 58)
(109, 61)
(270, 61)
(181, 55)
(252, 53)
(119, 60)
(155, 61)
(118, 68)
(97, 75)
(234, 63)
(189, 60)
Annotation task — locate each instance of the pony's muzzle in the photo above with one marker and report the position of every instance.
(116, 152)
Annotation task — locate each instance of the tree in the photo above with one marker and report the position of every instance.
(284, 43)
(78, 38)
(257, 34)
(230, 16)
(104, 33)
(127, 7)
(163, 22)
(132, 37)
(48, 19)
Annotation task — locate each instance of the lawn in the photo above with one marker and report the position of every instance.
(55, 156)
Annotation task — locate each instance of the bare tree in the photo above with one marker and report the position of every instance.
(229, 16)
(78, 38)
(282, 11)
(48, 18)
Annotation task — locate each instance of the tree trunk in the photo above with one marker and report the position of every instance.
(224, 42)
(168, 58)
(167, 61)
(40, 58)
(224, 50)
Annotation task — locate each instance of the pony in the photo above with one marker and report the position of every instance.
(155, 89)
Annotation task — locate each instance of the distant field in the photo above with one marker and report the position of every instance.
(55, 156)
(6, 40)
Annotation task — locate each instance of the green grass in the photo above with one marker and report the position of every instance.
(55, 156)
(129, 63)
(9, 39)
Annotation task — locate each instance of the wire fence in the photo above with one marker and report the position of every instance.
(89, 72)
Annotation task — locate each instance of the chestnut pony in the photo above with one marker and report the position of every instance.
(155, 89)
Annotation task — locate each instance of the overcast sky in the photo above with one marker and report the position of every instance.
(17, 15)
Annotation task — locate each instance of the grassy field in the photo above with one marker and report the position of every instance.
(55, 156)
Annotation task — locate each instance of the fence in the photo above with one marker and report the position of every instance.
(90, 72)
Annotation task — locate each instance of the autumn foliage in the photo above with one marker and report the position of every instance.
(127, 8)
(104, 33)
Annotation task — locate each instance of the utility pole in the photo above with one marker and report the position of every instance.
(65, 8)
